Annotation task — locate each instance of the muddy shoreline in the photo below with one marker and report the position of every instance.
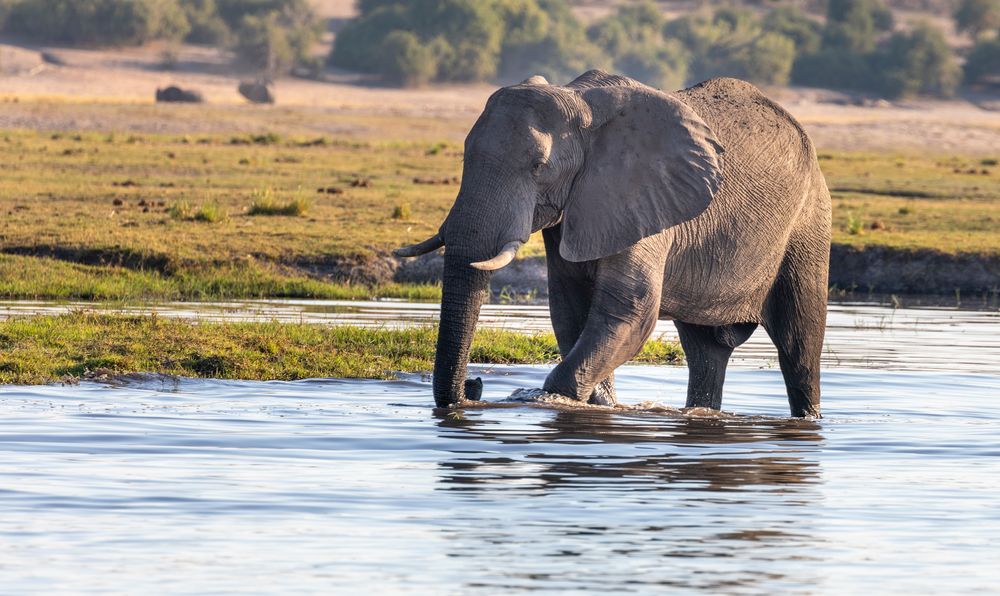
(853, 271)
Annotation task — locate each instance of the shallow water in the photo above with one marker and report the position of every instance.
(183, 486)
(858, 335)
(156, 484)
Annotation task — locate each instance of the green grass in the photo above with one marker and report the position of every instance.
(264, 203)
(43, 278)
(46, 349)
(948, 204)
(178, 216)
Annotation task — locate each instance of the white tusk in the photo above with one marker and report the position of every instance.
(415, 250)
(507, 254)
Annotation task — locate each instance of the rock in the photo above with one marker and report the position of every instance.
(256, 91)
(50, 58)
(174, 94)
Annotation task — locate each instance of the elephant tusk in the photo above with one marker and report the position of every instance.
(503, 259)
(415, 250)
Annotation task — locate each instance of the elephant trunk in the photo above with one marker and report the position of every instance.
(463, 292)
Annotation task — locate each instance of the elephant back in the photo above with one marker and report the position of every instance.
(727, 259)
(747, 122)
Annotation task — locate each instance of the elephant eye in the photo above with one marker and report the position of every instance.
(538, 167)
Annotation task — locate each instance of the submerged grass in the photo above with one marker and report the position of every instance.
(45, 349)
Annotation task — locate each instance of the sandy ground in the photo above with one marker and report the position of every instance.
(114, 90)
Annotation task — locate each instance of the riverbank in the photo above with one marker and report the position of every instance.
(44, 349)
(107, 216)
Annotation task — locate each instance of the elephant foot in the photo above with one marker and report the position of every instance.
(602, 397)
(474, 389)
(541, 396)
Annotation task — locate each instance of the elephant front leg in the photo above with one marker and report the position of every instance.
(571, 289)
(623, 312)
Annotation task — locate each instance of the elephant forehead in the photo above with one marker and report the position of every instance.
(548, 102)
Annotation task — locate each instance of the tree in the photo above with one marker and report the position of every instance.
(852, 24)
(983, 63)
(633, 39)
(206, 25)
(104, 22)
(978, 18)
(405, 61)
(466, 40)
(277, 40)
(919, 62)
(791, 22)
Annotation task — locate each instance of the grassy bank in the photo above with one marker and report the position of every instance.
(128, 217)
(45, 349)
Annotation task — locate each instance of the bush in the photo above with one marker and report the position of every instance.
(211, 213)
(852, 24)
(404, 61)
(549, 42)
(276, 38)
(732, 42)
(834, 69)
(790, 22)
(978, 17)
(633, 38)
(463, 40)
(264, 203)
(983, 63)
(918, 62)
(768, 60)
(206, 26)
(105, 22)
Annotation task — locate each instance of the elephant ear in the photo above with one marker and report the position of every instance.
(651, 163)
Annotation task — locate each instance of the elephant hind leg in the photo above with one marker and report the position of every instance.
(795, 318)
(707, 350)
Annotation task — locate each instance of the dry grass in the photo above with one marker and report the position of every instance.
(167, 209)
(949, 204)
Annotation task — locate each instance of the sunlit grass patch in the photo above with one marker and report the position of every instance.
(44, 349)
(45, 278)
(264, 203)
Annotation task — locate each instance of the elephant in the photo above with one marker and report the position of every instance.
(705, 206)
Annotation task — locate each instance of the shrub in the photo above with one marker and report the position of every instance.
(978, 17)
(111, 22)
(179, 210)
(274, 41)
(554, 45)
(733, 42)
(918, 62)
(405, 61)
(401, 212)
(211, 213)
(206, 25)
(852, 24)
(983, 63)
(768, 59)
(633, 38)
(792, 23)
(463, 40)
(836, 69)
(264, 203)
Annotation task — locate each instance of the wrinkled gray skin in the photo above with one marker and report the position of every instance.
(706, 206)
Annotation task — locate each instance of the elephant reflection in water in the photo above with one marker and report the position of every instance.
(768, 466)
(585, 499)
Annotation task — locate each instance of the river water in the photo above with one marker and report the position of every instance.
(162, 485)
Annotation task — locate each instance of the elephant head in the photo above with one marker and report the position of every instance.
(610, 159)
